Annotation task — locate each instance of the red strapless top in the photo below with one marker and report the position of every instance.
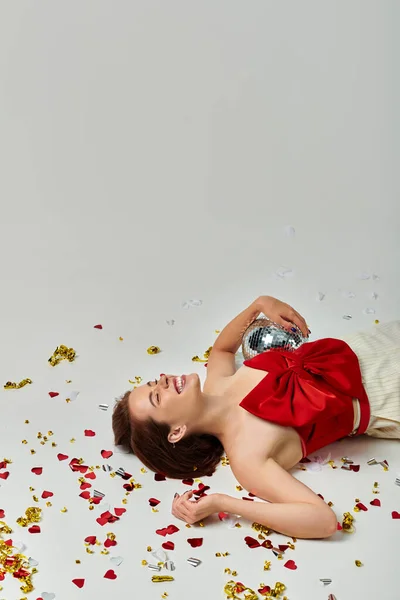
(310, 389)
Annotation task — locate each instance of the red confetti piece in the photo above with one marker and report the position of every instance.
(89, 433)
(90, 475)
(76, 466)
(106, 517)
(251, 542)
(37, 470)
(361, 506)
(195, 542)
(265, 590)
(47, 494)
(108, 543)
(8, 542)
(53, 394)
(159, 477)
(3, 464)
(129, 486)
(354, 468)
(34, 529)
(339, 527)
(290, 564)
(375, 502)
(168, 545)
(305, 460)
(62, 456)
(201, 490)
(96, 500)
(4, 475)
(167, 530)
(110, 574)
(187, 481)
(154, 501)
(252, 495)
(79, 582)
(321, 496)
(85, 486)
(98, 327)
(395, 515)
(283, 547)
(119, 511)
(239, 587)
(244, 498)
(91, 539)
(2, 513)
(85, 495)
(222, 516)
(106, 453)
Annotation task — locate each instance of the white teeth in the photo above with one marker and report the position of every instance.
(179, 384)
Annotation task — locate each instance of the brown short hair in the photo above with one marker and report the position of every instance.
(194, 455)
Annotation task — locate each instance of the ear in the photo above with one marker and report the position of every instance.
(176, 434)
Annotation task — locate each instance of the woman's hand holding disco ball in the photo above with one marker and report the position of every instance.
(283, 314)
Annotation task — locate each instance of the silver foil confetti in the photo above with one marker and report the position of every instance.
(98, 494)
(107, 468)
(169, 565)
(160, 555)
(195, 562)
(397, 481)
(263, 334)
(347, 461)
(154, 567)
(326, 581)
(120, 472)
(372, 461)
(103, 406)
(347, 317)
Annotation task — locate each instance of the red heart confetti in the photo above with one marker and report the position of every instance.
(106, 517)
(290, 564)
(85, 486)
(75, 465)
(339, 527)
(34, 529)
(3, 464)
(167, 530)
(90, 539)
(375, 502)
(154, 501)
(109, 542)
(4, 475)
(265, 590)
(159, 477)
(222, 516)
(168, 545)
(79, 582)
(89, 433)
(106, 453)
(110, 574)
(47, 495)
(98, 327)
(95, 500)
(283, 547)
(361, 506)
(37, 470)
(395, 515)
(90, 475)
(119, 511)
(354, 468)
(195, 542)
(188, 481)
(53, 394)
(62, 456)
(251, 542)
(2, 513)
(85, 495)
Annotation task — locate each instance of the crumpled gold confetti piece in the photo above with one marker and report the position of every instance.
(358, 563)
(161, 578)
(32, 515)
(153, 350)
(206, 356)
(16, 564)
(62, 353)
(11, 385)
(261, 528)
(267, 565)
(347, 523)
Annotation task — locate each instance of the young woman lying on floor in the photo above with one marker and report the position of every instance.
(266, 416)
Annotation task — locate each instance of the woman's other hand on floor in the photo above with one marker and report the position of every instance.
(283, 314)
(192, 511)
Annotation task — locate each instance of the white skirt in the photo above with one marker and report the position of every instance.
(378, 352)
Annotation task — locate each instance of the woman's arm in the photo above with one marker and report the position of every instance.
(293, 508)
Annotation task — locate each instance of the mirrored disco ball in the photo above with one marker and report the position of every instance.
(263, 335)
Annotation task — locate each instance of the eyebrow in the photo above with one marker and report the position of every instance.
(150, 395)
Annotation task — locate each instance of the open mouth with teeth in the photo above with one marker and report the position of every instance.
(179, 383)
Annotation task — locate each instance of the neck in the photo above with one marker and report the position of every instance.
(215, 416)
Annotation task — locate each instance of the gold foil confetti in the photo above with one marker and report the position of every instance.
(143, 470)
(267, 565)
(121, 339)
(11, 385)
(33, 451)
(234, 573)
(24, 442)
(68, 381)
(32, 515)
(62, 353)
(149, 549)
(31, 489)
(26, 422)
(161, 578)
(64, 510)
(217, 331)
(261, 528)
(206, 356)
(358, 563)
(376, 321)
(239, 488)
(153, 350)
(78, 562)
(48, 504)
(347, 523)
(144, 563)
(72, 440)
